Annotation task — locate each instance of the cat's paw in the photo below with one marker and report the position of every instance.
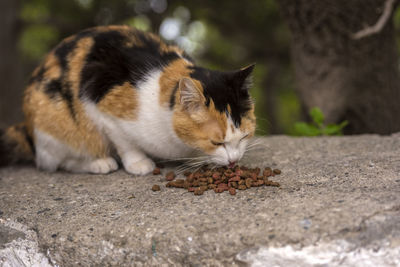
(103, 165)
(141, 167)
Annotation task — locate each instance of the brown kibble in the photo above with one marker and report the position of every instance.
(271, 183)
(186, 185)
(216, 175)
(223, 186)
(267, 172)
(239, 172)
(249, 182)
(207, 173)
(156, 171)
(156, 187)
(196, 175)
(170, 176)
(277, 171)
(218, 190)
(234, 179)
(222, 179)
(232, 191)
(198, 192)
(204, 187)
(203, 183)
(234, 184)
(229, 173)
(190, 178)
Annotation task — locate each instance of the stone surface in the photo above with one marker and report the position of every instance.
(333, 190)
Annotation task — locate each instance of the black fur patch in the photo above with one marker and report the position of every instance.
(187, 57)
(39, 76)
(111, 63)
(7, 148)
(56, 88)
(224, 88)
(61, 87)
(65, 48)
(172, 98)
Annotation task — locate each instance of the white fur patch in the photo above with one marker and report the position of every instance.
(234, 146)
(150, 134)
(52, 154)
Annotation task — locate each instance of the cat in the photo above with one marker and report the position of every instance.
(114, 94)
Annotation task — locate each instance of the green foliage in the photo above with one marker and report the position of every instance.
(317, 127)
(36, 40)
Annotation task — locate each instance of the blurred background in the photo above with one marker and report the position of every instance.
(340, 56)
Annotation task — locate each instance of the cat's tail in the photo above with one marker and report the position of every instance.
(16, 145)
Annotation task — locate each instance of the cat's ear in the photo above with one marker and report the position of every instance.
(242, 78)
(191, 98)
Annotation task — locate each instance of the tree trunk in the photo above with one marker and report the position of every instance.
(348, 77)
(11, 77)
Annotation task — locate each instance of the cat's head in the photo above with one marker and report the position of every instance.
(215, 113)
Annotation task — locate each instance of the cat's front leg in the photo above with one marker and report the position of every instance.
(136, 162)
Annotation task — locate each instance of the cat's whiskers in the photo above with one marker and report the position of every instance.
(193, 163)
(183, 159)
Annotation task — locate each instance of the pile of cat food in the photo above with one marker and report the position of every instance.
(220, 179)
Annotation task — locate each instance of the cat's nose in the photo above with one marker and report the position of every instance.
(231, 164)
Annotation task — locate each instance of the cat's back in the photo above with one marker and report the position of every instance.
(94, 60)
(101, 65)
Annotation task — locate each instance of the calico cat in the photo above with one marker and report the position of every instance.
(115, 93)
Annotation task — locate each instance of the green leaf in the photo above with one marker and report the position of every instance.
(334, 129)
(343, 124)
(317, 116)
(306, 129)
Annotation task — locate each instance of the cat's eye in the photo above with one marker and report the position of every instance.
(217, 143)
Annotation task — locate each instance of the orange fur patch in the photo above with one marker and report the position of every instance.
(200, 133)
(52, 66)
(121, 102)
(76, 61)
(52, 116)
(192, 133)
(249, 122)
(170, 77)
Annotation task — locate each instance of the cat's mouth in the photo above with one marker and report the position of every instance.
(231, 164)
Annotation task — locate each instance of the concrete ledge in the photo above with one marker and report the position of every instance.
(335, 191)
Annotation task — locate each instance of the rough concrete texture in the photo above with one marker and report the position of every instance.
(334, 190)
